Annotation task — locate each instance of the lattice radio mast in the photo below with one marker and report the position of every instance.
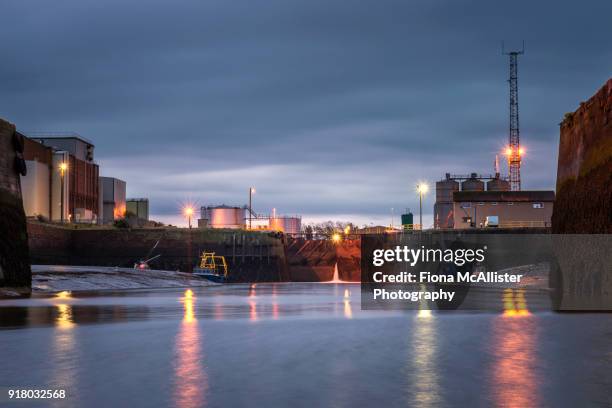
(514, 151)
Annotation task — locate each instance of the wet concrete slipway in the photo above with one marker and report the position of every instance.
(294, 344)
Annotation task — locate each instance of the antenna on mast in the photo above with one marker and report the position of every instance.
(496, 165)
(514, 143)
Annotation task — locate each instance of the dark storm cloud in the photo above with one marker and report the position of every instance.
(327, 106)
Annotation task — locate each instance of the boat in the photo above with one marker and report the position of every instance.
(212, 267)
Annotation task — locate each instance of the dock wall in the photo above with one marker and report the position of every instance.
(252, 257)
(582, 280)
(14, 256)
(584, 173)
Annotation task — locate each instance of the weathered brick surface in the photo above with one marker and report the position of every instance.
(584, 176)
(14, 257)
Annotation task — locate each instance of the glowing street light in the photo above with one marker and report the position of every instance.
(251, 192)
(422, 188)
(63, 167)
(336, 237)
(188, 211)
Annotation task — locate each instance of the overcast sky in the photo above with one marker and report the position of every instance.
(332, 109)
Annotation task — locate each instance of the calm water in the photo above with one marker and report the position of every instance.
(295, 345)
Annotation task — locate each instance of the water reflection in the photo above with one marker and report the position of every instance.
(514, 303)
(191, 381)
(64, 352)
(275, 313)
(515, 381)
(348, 312)
(425, 381)
(252, 303)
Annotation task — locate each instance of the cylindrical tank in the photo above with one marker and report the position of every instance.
(473, 184)
(445, 188)
(223, 216)
(498, 184)
(288, 225)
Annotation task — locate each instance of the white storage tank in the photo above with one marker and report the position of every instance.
(288, 225)
(222, 216)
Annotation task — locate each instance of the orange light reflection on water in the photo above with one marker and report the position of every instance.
(191, 381)
(515, 304)
(252, 303)
(275, 312)
(515, 381)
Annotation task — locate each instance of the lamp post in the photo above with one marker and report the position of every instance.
(188, 213)
(422, 188)
(62, 168)
(251, 192)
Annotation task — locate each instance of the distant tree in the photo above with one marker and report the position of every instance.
(308, 231)
(328, 228)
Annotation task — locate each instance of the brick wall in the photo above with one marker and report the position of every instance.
(584, 175)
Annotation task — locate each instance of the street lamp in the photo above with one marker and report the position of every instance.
(63, 166)
(422, 188)
(251, 192)
(188, 213)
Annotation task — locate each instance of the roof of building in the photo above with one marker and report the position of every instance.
(58, 136)
(510, 196)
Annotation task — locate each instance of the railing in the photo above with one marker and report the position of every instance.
(524, 224)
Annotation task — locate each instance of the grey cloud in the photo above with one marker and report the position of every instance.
(340, 102)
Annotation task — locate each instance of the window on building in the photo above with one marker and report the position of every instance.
(481, 203)
(466, 205)
(510, 203)
(494, 203)
(538, 205)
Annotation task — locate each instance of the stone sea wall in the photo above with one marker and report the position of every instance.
(584, 175)
(581, 278)
(14, 257)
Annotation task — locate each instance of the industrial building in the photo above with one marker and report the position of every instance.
(139, 207)
(509, 209)
(235, 217)
(472, 201)
(63, 184)
(60, 165)
(445, 188)
(112, 199)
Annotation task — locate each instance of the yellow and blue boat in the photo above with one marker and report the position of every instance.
(212, 267)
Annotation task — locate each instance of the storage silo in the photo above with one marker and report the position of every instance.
(222, 216)
(288, 225)
(445, 188)
(443, 207)
(473, 184)
(498, 184)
